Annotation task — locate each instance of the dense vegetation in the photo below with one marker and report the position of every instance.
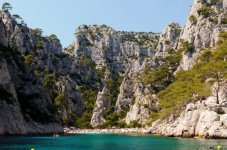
(162, 76)
(194, 84)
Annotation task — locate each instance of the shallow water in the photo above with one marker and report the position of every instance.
(107, 142)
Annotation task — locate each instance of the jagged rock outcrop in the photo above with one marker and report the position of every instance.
(102, 103)
(204, 118)
(204, 24)
(168, 39)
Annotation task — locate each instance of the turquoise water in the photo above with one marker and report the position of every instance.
(106, 142)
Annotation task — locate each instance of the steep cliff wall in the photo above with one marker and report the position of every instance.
(122, 57)
(111, 78)
(204, 112)
(39, 90)
(206, 20)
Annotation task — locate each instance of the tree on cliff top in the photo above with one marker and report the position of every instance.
(6, 6)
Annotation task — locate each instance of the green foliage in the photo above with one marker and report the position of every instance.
(205, 56)
(161, 77)
(56, 60)
(224, 21)
(134, 124)
(193, 19)
(134, 56)
(186, 46)
(37, 32)
(89, 97)
(112, 120)
(70, 49)
(83, 122)
(59, 100)
(101, 71)
(113, 83)
(204, 11)
(29, 60)
(17, 17)
(214, 2)
(6, 6)
(214, 20)
(191, 85)
(87, 61)
(178, 31)
(50, 84)
(170, 50)
(85, 43)
(158, 78)
(53, 37)
(40, 45)
(167, 42)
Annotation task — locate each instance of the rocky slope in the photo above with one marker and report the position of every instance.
(204, 118)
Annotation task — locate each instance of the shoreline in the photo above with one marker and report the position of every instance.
(142, 131)
(72, 130)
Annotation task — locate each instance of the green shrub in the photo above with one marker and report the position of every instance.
(214, 2)
(37, 32)
(53, 37)
(193, 19)
(40, 45)
(186, 46)
(224, 21)
(167, 42)
(134, 124)
(170, 50)
(178, 31)
(29, 60)
(59, 100)
(87, 61)
(89, 97)
(50, 84)
(214, 20)
(204, 11)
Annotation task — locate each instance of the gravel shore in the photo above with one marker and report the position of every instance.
(72, 130)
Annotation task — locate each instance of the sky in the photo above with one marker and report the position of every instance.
(63, 17)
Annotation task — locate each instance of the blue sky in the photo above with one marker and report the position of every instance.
(62, 17)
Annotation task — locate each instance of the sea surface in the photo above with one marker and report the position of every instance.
(107, 142)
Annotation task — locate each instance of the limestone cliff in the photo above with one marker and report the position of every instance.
(206, 20)
(122, 57)
(40, 84)
(204, 118)
(110, 78)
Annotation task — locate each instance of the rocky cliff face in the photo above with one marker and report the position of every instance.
(125, 55)
(39, 82)
(205, 22)
(204, 118)
(109, 78)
